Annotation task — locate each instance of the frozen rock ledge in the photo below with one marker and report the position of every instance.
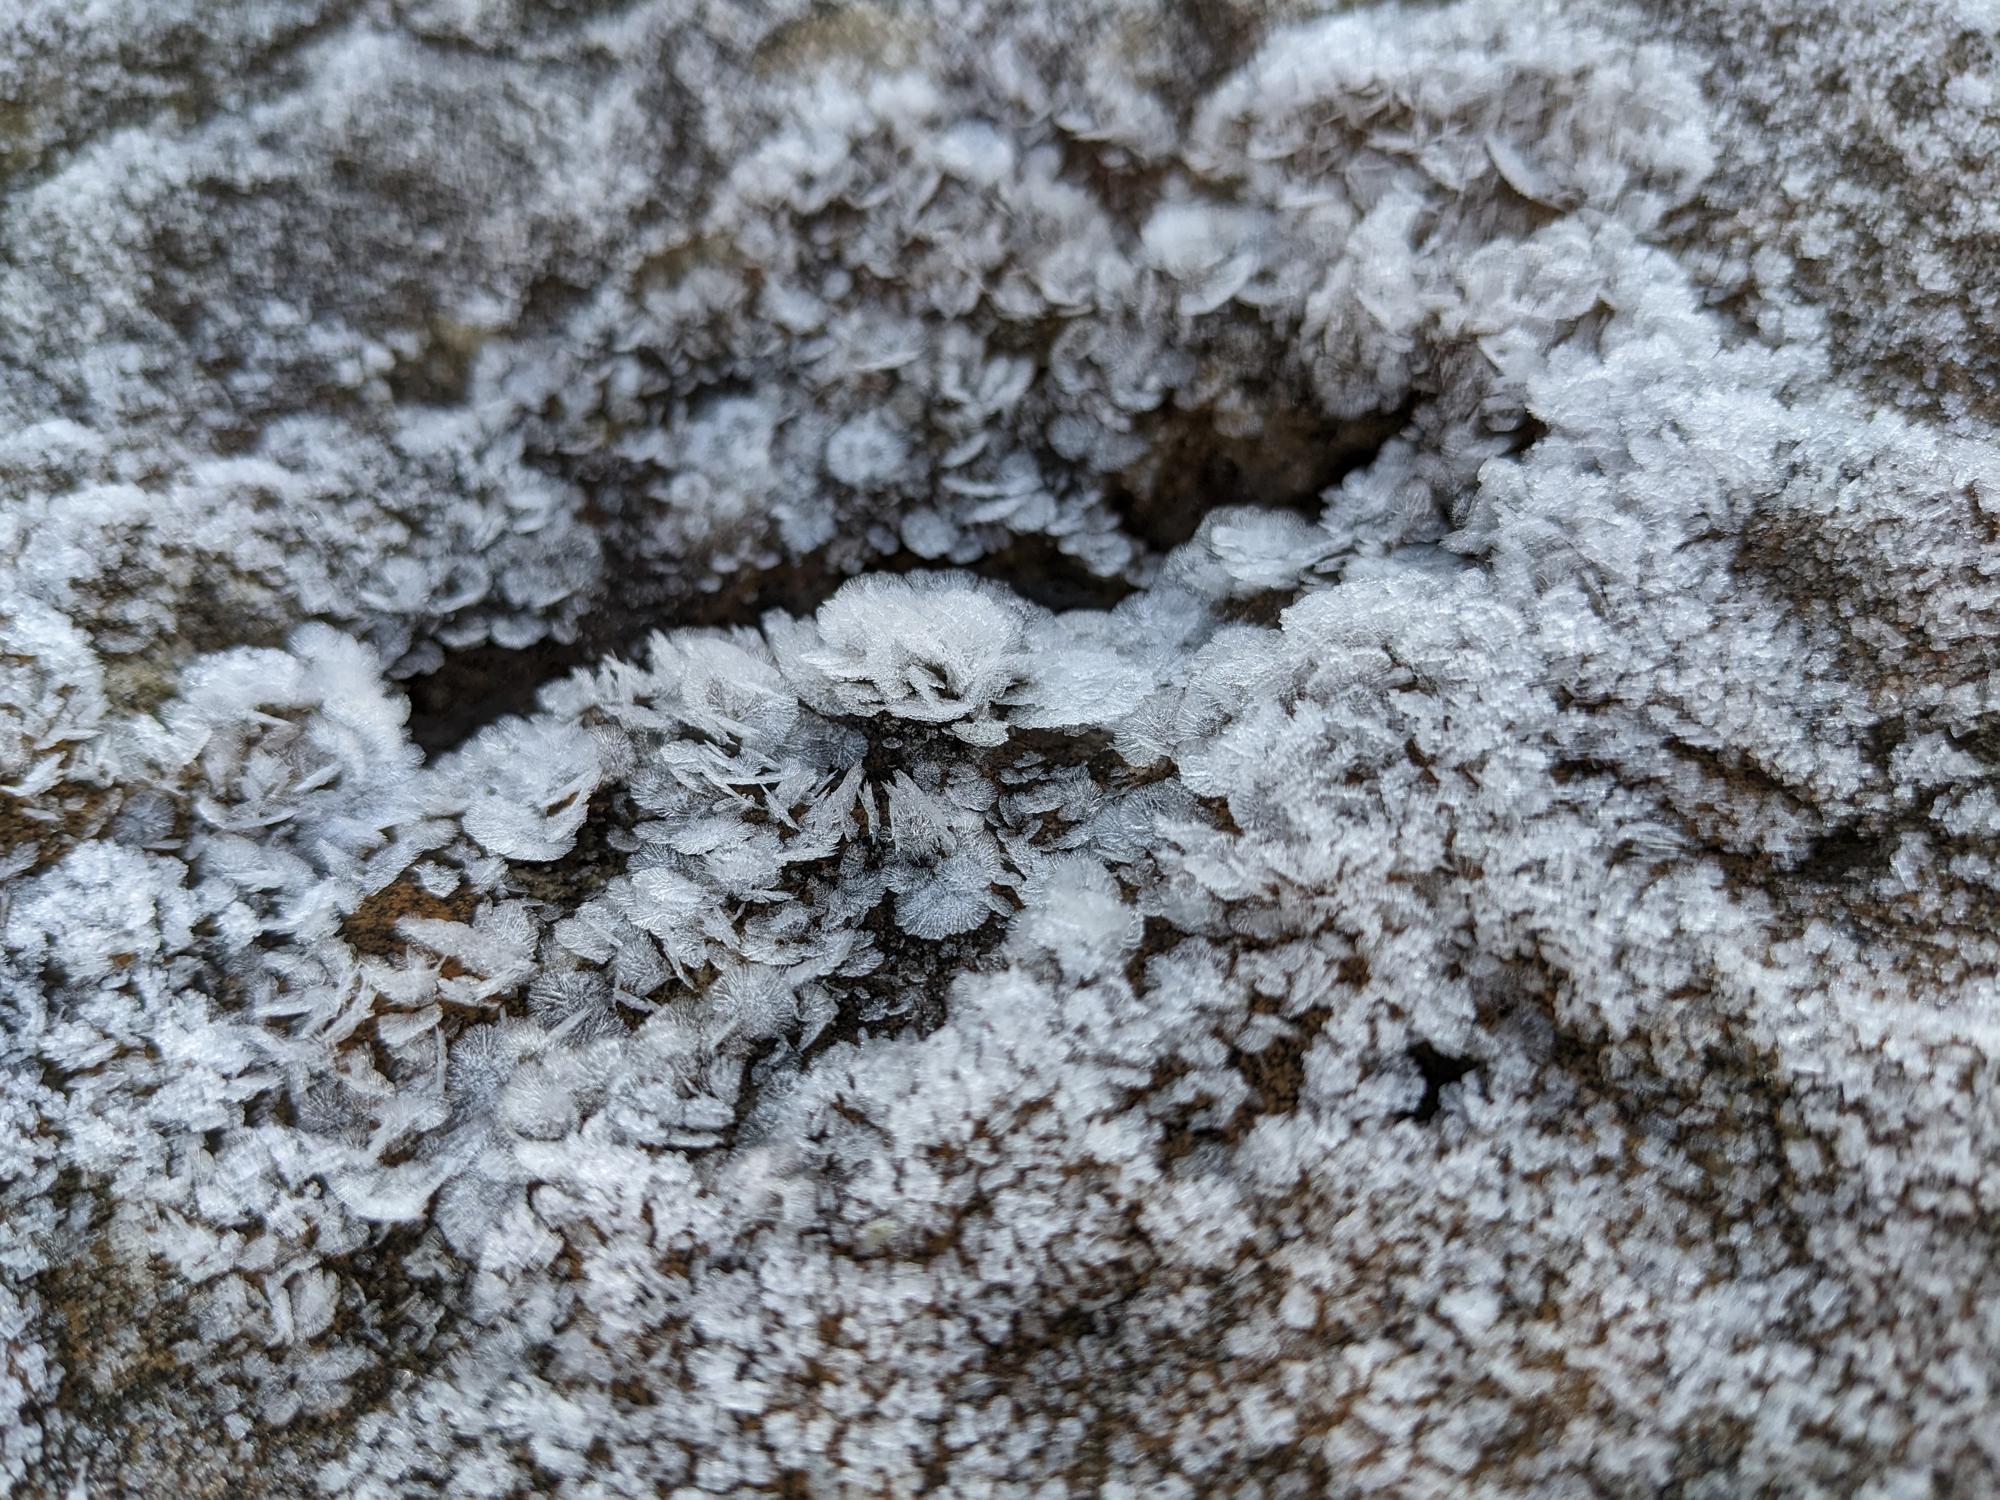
(1065, 747)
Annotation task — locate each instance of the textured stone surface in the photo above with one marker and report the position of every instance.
(1068, 747)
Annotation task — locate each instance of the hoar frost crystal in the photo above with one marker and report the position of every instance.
(1076, 747)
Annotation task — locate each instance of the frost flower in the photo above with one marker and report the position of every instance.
(936, 649)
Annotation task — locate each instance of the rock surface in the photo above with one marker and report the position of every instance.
(1035, 748)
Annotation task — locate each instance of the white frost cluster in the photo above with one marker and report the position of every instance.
(1078, 747)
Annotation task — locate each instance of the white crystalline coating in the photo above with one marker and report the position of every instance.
(1075, 911)
(1264, 551)
(528, 785)
(1062, 686)
(51, 696)
(866, 451)
(1078, 747)
(932, 648)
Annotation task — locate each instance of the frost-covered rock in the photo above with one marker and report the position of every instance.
(1086, 747)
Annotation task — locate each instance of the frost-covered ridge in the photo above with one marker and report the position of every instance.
(1075, 747)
